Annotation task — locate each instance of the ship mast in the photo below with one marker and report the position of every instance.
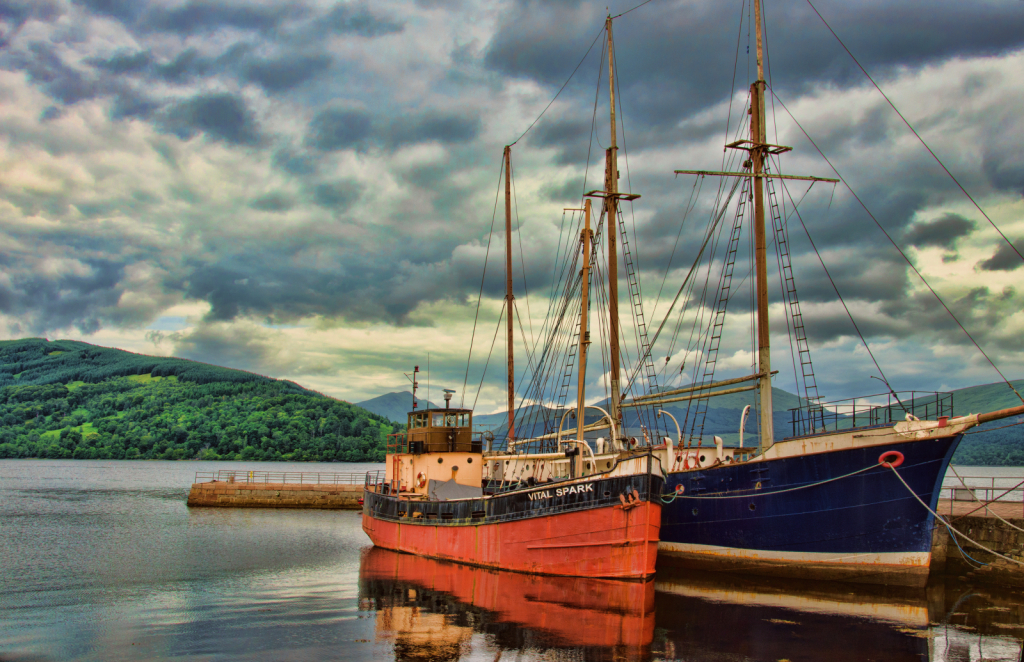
(508, 292)
(587, 238)
(758, 150)
(611, 189)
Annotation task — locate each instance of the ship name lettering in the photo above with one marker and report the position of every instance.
(575, 489)
(539, 495)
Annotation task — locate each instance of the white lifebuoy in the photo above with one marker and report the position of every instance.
(688, 465)
(421, 479)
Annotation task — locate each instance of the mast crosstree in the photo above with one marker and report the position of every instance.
(758, 148)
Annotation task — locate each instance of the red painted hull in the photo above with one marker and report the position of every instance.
(574, 611)
(611, 541)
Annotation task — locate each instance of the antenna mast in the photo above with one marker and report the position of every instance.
(508, 292)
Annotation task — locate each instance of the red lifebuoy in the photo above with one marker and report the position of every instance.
(679, 488)
(891, 459)
(421, 479)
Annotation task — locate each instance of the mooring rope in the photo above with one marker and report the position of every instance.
(983, 504)
(948, 525)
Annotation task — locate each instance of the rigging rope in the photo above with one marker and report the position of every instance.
(916, 134)
(480, 295)
(898, 249)
(599, 33)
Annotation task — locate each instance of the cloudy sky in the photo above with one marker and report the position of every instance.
(305, 188)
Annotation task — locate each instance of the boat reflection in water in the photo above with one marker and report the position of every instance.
(438, 610)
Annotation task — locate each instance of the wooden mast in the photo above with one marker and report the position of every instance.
(584, 314)
(757, 155)
(611, 190)
(508, 293)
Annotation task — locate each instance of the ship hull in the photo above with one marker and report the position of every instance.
(605, 528)
(780, 516)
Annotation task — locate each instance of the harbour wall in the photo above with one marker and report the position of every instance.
(226, 494)
(995, 534)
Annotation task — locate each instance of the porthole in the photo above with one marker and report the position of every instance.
(694, 511)
(607, 465)
(440, 460)
(702, 459)
(752, 507)
(469, 460)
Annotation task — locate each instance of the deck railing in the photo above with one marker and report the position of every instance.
(302, 477)
(869, 410)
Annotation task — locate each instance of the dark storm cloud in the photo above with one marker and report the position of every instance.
(18, 12)
(44, 302)
(294, 162)
(943, 232)
(123, 10)
(285, 72)
(268, 285)
(200, 16)
(221, 116)
(434, 125)
(338, 196)
(339, 128)
(124, 62)
(185, 66)
(359, 19)
(62, 82)
(273, 202)
(679, 58)
(569, 136)
(1004, 259)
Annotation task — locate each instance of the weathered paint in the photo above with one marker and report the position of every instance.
(576, 611)
(785, 516)
(605, 527)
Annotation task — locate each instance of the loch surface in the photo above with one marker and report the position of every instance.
(102, 560)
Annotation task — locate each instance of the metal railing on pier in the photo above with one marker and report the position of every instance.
(1005, 489)
(301, 477)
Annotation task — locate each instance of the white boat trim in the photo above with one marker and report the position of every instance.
(715, 552)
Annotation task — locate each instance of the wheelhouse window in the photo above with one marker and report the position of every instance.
(450, 420)
(419, 420)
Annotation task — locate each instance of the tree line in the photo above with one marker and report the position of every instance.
(66, 399)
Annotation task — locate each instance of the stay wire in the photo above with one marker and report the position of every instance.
(522, 259)
(487, 363)
(598, 36)
(480, 295)
(632, 9)
(916, 134)
(835, 288)
(898, 249)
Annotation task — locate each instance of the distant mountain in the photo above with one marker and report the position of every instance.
(394, 406)
(993, 444)
(67, 399)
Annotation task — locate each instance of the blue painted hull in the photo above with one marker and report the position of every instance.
(861, 527)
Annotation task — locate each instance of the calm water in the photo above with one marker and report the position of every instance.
(103, 561)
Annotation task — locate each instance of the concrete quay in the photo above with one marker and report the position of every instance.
(275, 495)
(260, 489)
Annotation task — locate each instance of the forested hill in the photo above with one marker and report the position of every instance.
(68, 399)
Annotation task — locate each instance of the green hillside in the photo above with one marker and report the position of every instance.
(67, 399)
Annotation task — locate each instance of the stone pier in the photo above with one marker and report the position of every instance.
(226, 494)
